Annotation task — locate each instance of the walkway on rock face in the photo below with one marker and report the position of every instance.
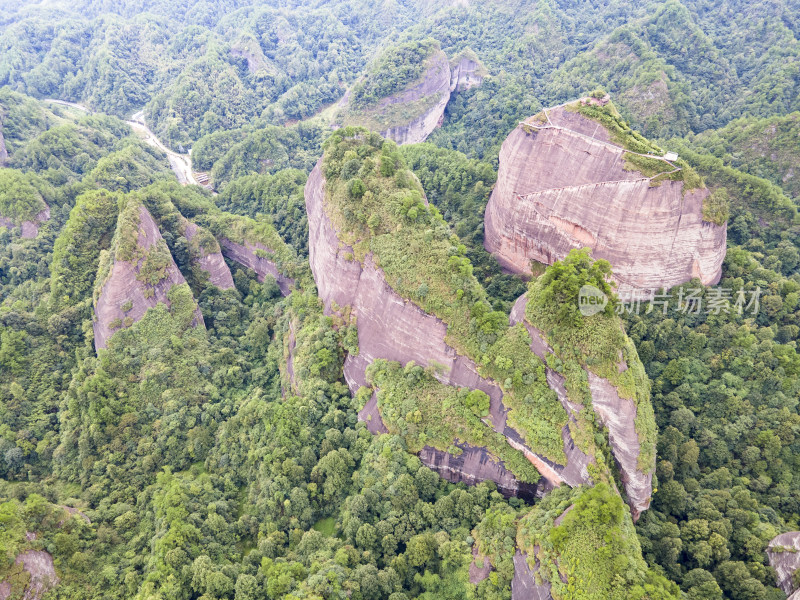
(591, 138)
(550, 125)
(593, 184)
(181, 164)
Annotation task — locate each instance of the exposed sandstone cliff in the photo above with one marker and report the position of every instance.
(253, 255)
(563, 183)
(783, 552)
(39, 565)
(206, 255)
(408, 117)
(29, 229)
(616, 414)
(467, 71)
(395, 329)
(137, 275)
(524, 586)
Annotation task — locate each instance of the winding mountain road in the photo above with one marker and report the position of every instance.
(181, 164)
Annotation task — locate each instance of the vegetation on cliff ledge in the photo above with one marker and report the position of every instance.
(378, 208)
(596, 343)
(605, 113)
(393, 71)
(414, 405)
(594, 546)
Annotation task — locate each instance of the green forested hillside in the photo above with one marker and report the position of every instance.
(227, 461)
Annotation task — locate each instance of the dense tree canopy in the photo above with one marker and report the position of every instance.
(227, 461)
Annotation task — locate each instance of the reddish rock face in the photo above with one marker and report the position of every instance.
(122, 286)
(617, 415)
(783, 553)
(247, 255)
(392, 328)
(212, 263)
(564, 186)
(28, 229)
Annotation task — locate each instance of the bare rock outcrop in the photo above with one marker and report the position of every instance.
(477, 573)
(39, 565)
(783, 553)
(28, 229)
(135, 279)
(253, 255)
(395, 329)
(524, 586)
(395, 117)
(208, 257)
(564, 184)
(247, 47)
(617, 415)
(474, 465)
(467, 71)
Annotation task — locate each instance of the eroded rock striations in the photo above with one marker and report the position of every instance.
(137, 275)
(783, 553)
(564, 183)
(395, 329)
(206, 255)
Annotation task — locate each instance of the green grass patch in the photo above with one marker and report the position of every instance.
(326, 526)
